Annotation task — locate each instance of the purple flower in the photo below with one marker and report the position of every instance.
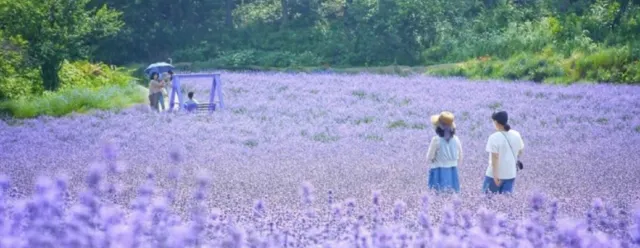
(259, 209)
(348, 133)
(634, 231)
(109, 151)
(375, 199)
(537, 202)
(176, 156)
(398, 211)
(95, 176)
(5, 183)
(307, 193)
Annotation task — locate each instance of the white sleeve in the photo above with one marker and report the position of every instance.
(433, 146)
(459, 150)
(492, 145)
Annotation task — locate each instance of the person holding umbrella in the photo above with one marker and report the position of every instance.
(159, 68)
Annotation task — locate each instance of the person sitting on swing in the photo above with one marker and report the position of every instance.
(191, 104)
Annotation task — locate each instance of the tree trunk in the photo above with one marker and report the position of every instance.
(346, 14)
(229, 5)
(623, 9)
(285, 13)
(49, 73)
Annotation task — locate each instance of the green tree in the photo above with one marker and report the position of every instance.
(57, 30)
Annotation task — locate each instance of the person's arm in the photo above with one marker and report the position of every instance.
(459, 150)
(495, 163)
(431, 154)
(520, 153)
(521, 146)
(492, 148)
(154, 84)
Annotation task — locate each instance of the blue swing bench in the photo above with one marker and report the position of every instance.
(200, 107)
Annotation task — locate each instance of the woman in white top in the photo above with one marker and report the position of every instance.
(504, 148)
(444, 155)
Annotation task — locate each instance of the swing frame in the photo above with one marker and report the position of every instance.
(216, 90)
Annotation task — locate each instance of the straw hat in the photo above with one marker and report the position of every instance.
(446, 118)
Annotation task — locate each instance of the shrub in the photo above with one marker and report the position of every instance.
(15, 79)
(87, 75)
(13, 86)
(606, 65)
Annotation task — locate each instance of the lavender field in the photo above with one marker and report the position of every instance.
(316, 159)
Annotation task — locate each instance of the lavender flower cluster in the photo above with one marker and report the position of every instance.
(229, 179)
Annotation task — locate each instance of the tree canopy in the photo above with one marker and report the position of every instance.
(300, 33)
(55, 30)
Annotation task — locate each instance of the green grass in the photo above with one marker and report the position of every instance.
(325, 137)
(79, 100)
(250, 143)
(373, 137)
(365, 120)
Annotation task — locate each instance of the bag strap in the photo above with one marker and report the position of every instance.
(512, 153)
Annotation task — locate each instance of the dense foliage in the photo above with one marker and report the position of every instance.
(84, 86)
(607, 65)
(295, 33)
(264, 34)
(345, 134)
(54, 31)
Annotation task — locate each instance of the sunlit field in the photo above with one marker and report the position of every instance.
(313, 159)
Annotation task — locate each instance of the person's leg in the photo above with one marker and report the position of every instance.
(489, 186)
(433, 180)
(161, 100)
(154, 102)
(507, 186)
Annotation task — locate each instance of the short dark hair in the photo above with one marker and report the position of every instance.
(190, 94)
(154, 74)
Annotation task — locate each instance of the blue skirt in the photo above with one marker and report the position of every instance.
(444, 179)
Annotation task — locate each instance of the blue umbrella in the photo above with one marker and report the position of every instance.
(160, 67)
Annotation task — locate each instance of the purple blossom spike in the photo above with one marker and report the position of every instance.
(203, 179)
(95, 176)
(399, 209)
(109, 151)
(5, 183)
(307, 193)
(259, 210)
(634, 231)
(150, 174)
(375, 199)
(597, 205)
(537, 202)
(176, 156)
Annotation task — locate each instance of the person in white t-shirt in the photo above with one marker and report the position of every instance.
(504, 148)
